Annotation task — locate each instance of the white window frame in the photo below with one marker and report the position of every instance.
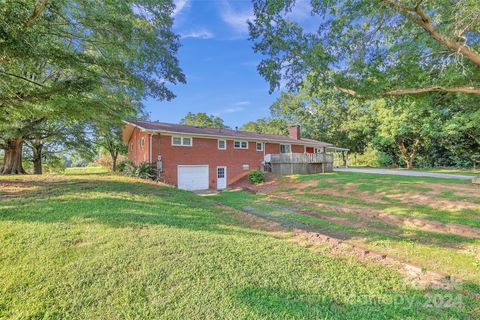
(240, 147)
(225, 144)
(182, 144)
(289, 147)
(261, 146)
(245, 166)
(142, 143)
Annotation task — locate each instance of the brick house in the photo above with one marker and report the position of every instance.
(196, 158)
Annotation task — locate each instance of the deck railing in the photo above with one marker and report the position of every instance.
(298, 158)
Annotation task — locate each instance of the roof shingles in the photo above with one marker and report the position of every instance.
(183, 129)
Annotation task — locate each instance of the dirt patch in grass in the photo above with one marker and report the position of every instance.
(367, 214)
(252, 220)
(434, 202)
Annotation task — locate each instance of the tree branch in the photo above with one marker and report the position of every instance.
(419, 17)
(37, 11)
(23, 78)
(411, 91)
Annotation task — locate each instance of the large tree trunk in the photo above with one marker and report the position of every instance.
(37, 158)
(114, 163)
(13, 157)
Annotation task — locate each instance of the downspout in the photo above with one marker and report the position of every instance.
(150, 147)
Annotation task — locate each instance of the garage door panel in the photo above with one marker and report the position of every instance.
(193, 177)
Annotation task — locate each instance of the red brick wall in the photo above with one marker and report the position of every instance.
(204, 151)
(137, 154)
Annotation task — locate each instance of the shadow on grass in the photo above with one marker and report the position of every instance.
(296, 304)
(117, 204)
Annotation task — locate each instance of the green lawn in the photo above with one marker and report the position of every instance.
(86, 170)
(346, 200)
(103, 246)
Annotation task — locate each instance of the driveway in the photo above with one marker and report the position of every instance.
(406, 173)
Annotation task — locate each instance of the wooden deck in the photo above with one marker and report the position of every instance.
(299, 158)
(298, 163)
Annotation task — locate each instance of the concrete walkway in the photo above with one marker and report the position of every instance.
(406, 173)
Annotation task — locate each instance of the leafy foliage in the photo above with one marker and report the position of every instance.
(144, 170)
(256, 176)
(204, 120)
(86, 61)
(371, 48)
(267, 126)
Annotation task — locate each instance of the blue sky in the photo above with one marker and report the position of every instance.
(219, 63)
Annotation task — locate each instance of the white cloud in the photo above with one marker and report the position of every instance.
(242, 103)
(236, 19)
(179, 6)
(234, 109)
(198, 34)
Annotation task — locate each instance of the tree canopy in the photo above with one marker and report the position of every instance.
(372, 48)
(267, 126)
(202, 119)
(86, 61)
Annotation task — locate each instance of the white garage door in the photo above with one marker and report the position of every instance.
(193, 177)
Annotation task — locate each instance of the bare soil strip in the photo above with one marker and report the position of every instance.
(392, 219)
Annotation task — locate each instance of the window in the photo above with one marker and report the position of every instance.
(131, 146)
(142, 143)
(220, 172)
(245, 166)
(240, 144)
(181, 141)
(285, 148)
(318, 150)
(259, 146)
(222, 144)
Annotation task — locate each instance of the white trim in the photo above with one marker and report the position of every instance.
(218, 144)
(181, 141)
(256, 145)
(238, 140)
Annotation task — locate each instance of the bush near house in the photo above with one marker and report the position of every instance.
(256, 176)
(144, 170)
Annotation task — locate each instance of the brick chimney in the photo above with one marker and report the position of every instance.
(294, 132)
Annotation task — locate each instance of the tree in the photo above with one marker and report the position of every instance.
(50, 138)
(267, 126)
(370, 49)
(111, 140)
(327, 115)
(202, 119)
(84, 61)
(407, 126)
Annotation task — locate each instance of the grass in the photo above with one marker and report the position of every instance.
(102, 246)
(86, 170)
(441, 200)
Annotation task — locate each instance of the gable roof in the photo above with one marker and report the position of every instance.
(154, 126)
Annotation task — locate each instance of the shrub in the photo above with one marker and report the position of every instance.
(256, 176)
(125, 165)
(146, 171)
